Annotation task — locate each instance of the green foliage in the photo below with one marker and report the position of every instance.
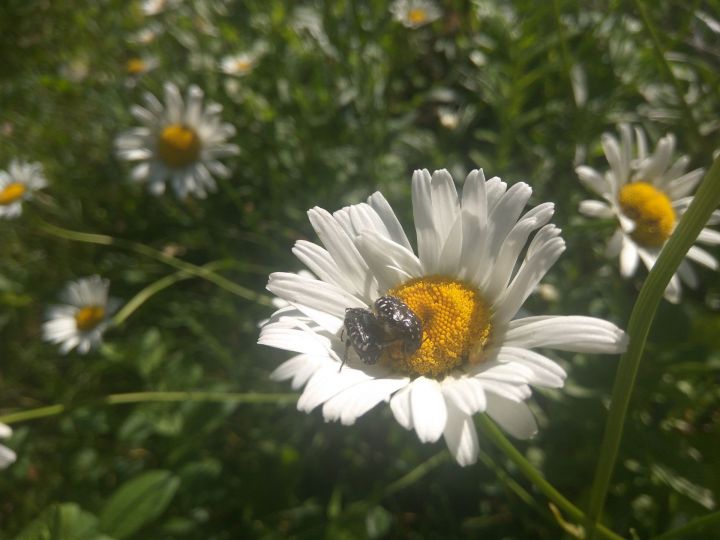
(138, 502)
(343, 101)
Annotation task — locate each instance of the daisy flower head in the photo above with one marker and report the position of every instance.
(180, 140)
(415, 13)
(646, 193)
(83, 317)
(435, 333)
(17, 184)
(239, 64)
(7, 456)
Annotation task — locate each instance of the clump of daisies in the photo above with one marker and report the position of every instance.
(17, 184)
(647, 194)
(79, 322)
(459, 296)
(415, 13)
(181, 141)
(7, 456)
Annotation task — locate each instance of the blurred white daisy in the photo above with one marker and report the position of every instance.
(180, 141)
(7, 456)
(155, 7)
(465, 285)
(647, 194)
(139, 65)
(17, 184)
(83, 317)
(239, 64)
(415, 13)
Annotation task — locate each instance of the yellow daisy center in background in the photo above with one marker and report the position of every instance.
(89, 317)
(178, 146)
(456, 325)
(417, 15)
(135, 66)
(11, 193)
(651, 210)
(243, 66)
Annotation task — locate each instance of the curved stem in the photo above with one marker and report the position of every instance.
(147, 251)
(532, 474)
(416, 474)
(704, 203)
(145, 294)
(696, 525)
(145, 397)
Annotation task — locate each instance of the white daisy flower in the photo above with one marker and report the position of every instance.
(155, 7)
(471, 276)
(647, 194)
(415, 13)
(83, 317)
(239, 64)
(17, 184)
(182, 141)
(7, 456)
(139, 65)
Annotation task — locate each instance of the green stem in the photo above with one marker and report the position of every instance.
(696, 525)
(416, 474)
(499, 439)
(705, 201)
(145, 294)
(564, 54)
(146, 397)
(146, 251)
(510, 483)
(665, 65)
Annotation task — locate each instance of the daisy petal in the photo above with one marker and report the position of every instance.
(428, 409)
(461, 436)
(513, 417)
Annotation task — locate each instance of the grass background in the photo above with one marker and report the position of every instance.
(344, 101)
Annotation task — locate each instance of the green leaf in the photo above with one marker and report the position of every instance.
(138, 502)
(65, 521)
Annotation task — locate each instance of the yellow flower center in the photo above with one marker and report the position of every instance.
(178, 146)
(417, 15)
(243, 66)
(89, 317)
(651, 210)
(456, 325)
(11, 193)
(135, 66)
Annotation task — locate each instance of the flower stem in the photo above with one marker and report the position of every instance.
(694, 526)
(145, 294)
(147, 251)
(497, 437)
(704, 203)
(146, 397)
(416, 474)
(665, 65)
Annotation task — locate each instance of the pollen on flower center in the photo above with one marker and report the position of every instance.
(11, 193)
(178, 145)
(651, 210)
(89, 317)
(417, 16)
(456, 325)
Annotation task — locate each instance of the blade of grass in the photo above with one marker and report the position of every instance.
(147, 251)
(707, 199)
(148, 397)
(694, 526)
